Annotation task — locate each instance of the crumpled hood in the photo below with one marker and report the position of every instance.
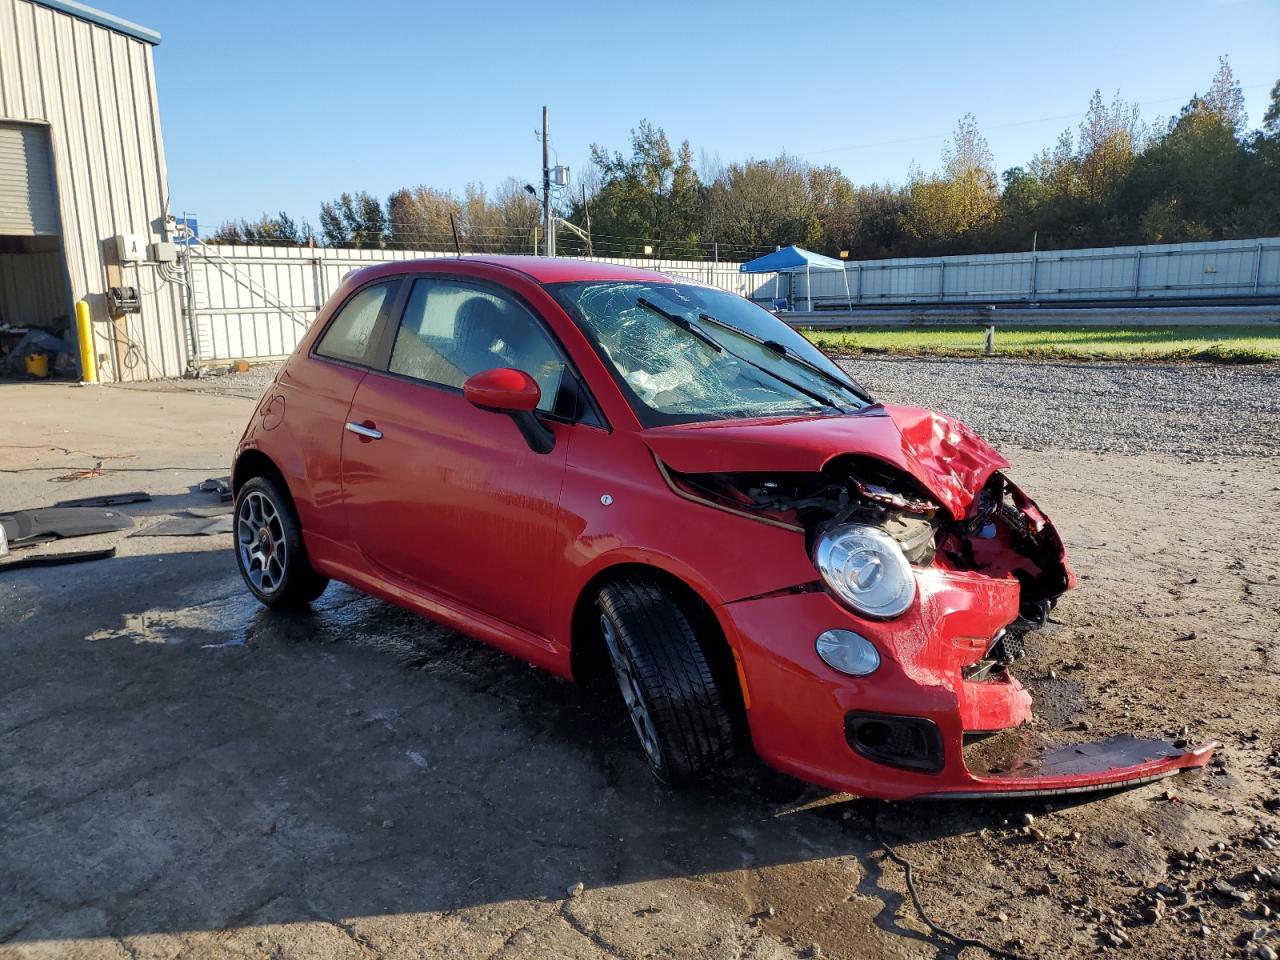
(949, 459)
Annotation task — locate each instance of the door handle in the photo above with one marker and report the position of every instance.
(363, 432)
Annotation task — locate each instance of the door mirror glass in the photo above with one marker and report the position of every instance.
(505, 390)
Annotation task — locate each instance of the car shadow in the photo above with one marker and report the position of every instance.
(178, 758)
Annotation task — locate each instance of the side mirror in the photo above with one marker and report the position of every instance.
(515, 393)
(503, 390)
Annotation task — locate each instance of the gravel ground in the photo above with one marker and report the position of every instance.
(1192, 411)
(187, 774)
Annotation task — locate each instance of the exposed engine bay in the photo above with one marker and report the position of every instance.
(1003, 535)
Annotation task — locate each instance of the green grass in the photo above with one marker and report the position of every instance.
(1256, 343)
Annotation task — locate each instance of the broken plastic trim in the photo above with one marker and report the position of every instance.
(1112, 764)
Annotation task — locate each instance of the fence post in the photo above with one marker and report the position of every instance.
(1257, 266)
(942, 281)
(316, 274)
(1137, 274)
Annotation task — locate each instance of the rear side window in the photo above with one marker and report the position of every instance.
(452, 330)
(350, 335)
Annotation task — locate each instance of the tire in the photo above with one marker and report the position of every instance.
(270, 554)
(679, 712)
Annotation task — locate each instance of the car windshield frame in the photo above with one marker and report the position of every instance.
(781, 373)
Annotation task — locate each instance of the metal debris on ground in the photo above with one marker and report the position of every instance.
(107, 500)
(56, 559)
(88, 473)
(219, 485)
(221, 510)
(97, 470)
(188, 527)
(26, 527)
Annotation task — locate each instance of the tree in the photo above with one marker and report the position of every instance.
(1110, 138)
(948, 211)
(1225, 99)
(1271, 119)
(652, 197)
(419, 218)
(517, 215)
(354, 220)
(280, 230)
(1108, 180)
(1189, 183)
(762, 203)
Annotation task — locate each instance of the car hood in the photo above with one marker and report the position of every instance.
(947, 457)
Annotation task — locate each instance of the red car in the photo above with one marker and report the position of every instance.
(588, 465)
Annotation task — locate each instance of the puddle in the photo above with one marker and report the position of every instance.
(238, 620)
(206, 623)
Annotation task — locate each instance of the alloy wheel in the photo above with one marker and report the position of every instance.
(260, 542)
(631, 693)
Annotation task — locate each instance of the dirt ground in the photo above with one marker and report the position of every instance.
(185, 775)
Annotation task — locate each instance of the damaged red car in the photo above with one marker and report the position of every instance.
(598, 468)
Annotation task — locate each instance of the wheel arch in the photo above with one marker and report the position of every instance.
(254, 463)
(588, 658)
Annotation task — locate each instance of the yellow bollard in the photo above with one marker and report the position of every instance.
(84, 334)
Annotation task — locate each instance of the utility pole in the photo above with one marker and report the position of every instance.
(547, 225)
(587, 209)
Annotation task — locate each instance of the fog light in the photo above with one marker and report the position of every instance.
(847, 652)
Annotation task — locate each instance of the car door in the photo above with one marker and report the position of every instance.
(316, 391)
(444, 497)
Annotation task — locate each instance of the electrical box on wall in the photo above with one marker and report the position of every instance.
(162, 252)
(129, 247)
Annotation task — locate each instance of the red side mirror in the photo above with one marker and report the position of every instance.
(504, 390)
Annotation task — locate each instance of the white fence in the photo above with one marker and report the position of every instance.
(256, 302)
(1222, 269)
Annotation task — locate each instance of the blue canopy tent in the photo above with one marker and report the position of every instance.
(794, 259)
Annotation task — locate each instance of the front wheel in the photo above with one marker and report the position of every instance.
(269, 550)
(679, 712)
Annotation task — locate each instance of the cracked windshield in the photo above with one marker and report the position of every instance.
(684, 352)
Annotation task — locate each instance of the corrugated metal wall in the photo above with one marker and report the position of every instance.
(1228, 268)
(28, 204)
(95, 89)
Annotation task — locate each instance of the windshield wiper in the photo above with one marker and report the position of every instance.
(719, 347)
(781, 348)
(691, 328)
(681, 322)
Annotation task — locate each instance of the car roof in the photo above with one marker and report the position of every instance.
(550, 269)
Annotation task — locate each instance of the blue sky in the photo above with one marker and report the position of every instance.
(280, 104)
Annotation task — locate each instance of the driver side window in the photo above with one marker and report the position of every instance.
(451, 331)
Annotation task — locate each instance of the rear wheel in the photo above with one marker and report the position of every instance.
(671, 695)
(269, 549)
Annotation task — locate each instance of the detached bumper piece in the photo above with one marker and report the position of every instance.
(1047, 771)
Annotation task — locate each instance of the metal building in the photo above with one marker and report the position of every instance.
(83, 186)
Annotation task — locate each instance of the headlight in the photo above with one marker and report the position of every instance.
(847, 652)
(866, 569)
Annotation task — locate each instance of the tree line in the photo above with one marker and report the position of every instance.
(1200, 175)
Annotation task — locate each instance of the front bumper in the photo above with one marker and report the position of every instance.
(799, 708)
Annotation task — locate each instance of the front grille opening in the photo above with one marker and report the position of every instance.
(910, 743)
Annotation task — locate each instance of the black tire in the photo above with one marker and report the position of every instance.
(270, 554)
(655, 650)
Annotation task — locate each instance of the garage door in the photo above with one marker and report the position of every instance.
(27, 208)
